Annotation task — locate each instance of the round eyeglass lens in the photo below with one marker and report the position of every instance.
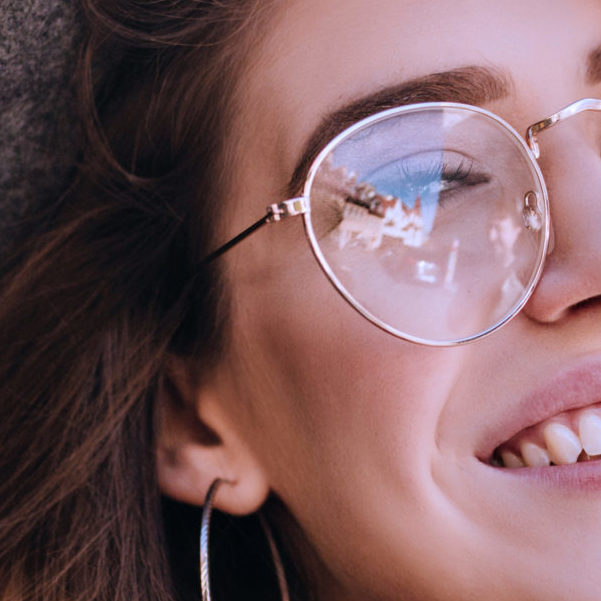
(431, 220)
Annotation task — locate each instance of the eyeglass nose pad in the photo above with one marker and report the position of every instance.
(533, 218)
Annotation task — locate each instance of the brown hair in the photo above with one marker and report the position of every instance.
(100, 288)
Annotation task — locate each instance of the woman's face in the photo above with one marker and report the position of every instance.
(381, 448)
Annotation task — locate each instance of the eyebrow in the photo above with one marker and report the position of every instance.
(593, 66)
(468, 85)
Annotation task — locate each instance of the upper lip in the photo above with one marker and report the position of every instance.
(574, 387)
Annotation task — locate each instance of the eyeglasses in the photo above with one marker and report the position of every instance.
(431, 220)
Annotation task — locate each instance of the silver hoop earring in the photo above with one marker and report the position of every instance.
(207, 509)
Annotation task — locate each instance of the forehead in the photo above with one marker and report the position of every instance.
(318, 55)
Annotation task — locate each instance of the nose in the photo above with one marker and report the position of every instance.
(571, 278)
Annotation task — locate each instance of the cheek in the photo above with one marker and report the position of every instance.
(338, 405)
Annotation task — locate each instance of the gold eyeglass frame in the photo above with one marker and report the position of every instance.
(301, 205)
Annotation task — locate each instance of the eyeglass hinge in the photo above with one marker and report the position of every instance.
(535, 129)
(288, 208)
(584, 104)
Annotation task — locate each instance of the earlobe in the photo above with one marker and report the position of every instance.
(199, 443)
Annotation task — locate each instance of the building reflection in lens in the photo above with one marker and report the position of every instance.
(366, 218)
(367, 215)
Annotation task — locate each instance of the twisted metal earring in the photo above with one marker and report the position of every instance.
(207, 509)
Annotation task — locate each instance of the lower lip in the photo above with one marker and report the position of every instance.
(581, 477)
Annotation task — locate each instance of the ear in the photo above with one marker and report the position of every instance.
(198, 442)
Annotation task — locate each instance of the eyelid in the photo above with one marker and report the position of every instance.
(473, 84)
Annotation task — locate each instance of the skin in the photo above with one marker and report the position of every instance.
(371, 442)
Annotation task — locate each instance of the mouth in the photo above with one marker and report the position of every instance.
(558, 424)
(566, 438)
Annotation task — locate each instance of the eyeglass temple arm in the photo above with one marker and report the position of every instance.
(275, 212)
(585, 104)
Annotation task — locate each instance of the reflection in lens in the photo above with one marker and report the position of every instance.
(424, 219)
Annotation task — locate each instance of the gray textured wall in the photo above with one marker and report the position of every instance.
(37, 136)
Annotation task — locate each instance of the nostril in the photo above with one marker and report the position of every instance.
(586, 304)
(570, 283)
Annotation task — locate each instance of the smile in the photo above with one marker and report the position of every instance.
(567, 438)
(556, 423)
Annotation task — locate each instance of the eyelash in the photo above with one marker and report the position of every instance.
(441, 173)
(413, 182)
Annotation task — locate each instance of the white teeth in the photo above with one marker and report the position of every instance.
(534, 456)
(511, 459)
(589, 428)
(564, 439)
(562, 444)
